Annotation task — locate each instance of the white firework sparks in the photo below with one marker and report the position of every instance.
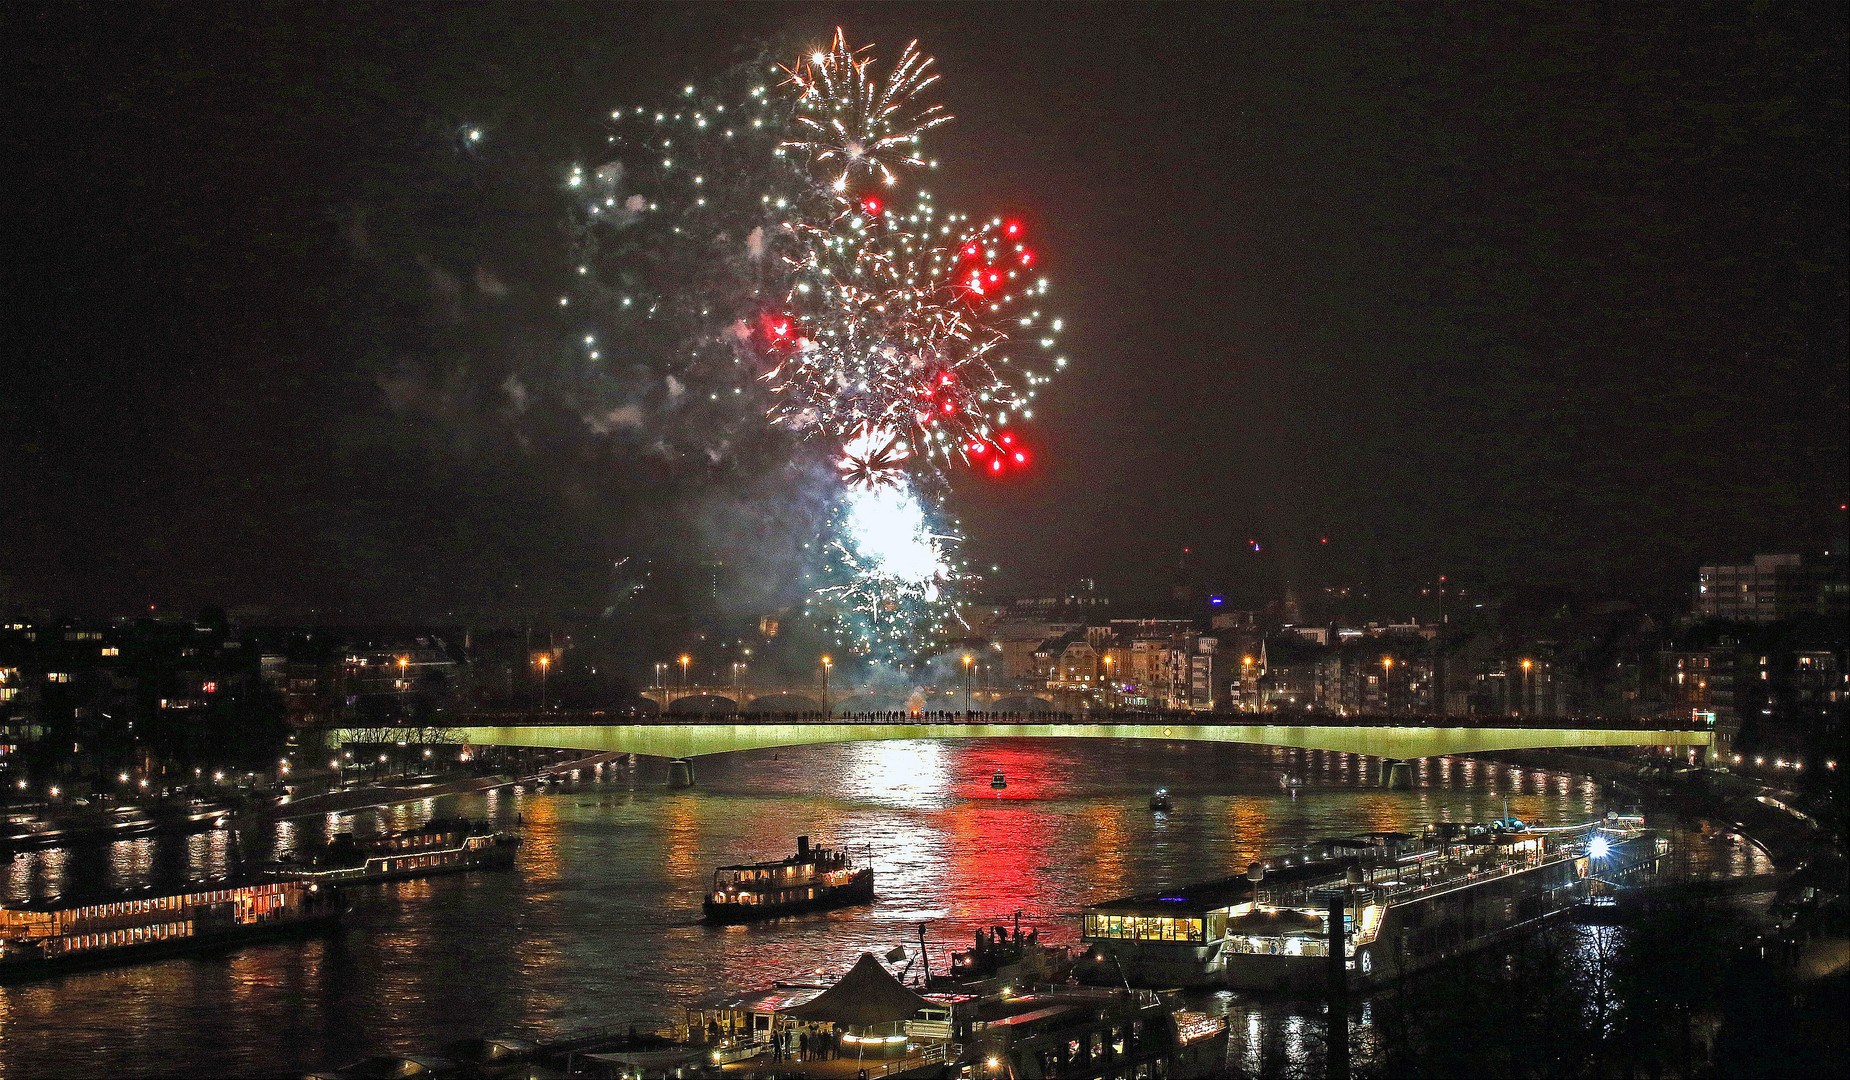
(854, 126)
(873, 457)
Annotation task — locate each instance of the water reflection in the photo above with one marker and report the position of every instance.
(600, 921)
(899, 773)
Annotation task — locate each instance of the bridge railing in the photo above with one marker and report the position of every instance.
(525, 718)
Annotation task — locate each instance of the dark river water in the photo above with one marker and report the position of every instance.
(599, 922)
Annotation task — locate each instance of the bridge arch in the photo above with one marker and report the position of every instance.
(703, 704)
(783, 701)
(1019, 703)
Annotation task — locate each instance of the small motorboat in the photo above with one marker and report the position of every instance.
(1160, 801)
(998, 782)
(1288, 782)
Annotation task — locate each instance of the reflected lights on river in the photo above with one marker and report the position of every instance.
(907, 773)
(598, 923)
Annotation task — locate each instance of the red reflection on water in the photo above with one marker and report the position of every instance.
(999, 849)
(1024, 769)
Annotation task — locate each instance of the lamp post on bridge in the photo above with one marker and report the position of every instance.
(685, 660)
(1387, 685)
(1522, 700)
(968, 660)
(738, 668)
(826, 665)
(545, 667)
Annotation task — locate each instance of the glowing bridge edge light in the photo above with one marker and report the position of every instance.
(694, 737)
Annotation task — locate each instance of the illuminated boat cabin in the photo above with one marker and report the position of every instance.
(811, 880)
(59, 933)
(443, 845)
(1407, 902)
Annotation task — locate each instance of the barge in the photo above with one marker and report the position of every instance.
(1405, 902)
(49, 937)
(814, 879)
(1092, 1032)
(444, 845)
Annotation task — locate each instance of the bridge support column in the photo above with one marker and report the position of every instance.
(680, 773)
(1397, 774)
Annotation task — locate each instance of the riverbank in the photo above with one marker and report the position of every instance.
(333, 802)
(48, 827)
(1766, 816)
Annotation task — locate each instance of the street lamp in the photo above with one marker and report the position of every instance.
(545, 667)
(1522, 703)
(1110, 684)
(685, 660)
(968, 660)
(1387, 684)
(738, 668)
(826, 665)
(403, 662)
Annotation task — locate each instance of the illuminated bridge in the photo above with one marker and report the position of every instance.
(691, 735)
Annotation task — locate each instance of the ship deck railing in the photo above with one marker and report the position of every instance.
(1451, 874)
(1316, 894)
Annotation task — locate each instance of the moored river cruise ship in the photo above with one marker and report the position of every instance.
(442, 846)
(46, 937)
(1407, 902)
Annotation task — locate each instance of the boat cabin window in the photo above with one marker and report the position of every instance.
(1145, 927)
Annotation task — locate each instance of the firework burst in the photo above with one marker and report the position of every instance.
(743, 261)
(873, 457)
(851, 124)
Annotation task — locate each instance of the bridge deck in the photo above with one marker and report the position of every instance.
(696, 736)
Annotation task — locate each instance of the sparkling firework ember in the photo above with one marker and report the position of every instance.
(845, 121)
(732, 247)
(874, 457)
(891, 568)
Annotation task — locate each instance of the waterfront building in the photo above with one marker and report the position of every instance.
(1772, 587)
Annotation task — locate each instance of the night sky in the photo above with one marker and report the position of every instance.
(1533, 296)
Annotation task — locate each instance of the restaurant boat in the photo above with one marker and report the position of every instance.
(47, 937)
(814, 879)
(442, 846)
(1407, 902)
